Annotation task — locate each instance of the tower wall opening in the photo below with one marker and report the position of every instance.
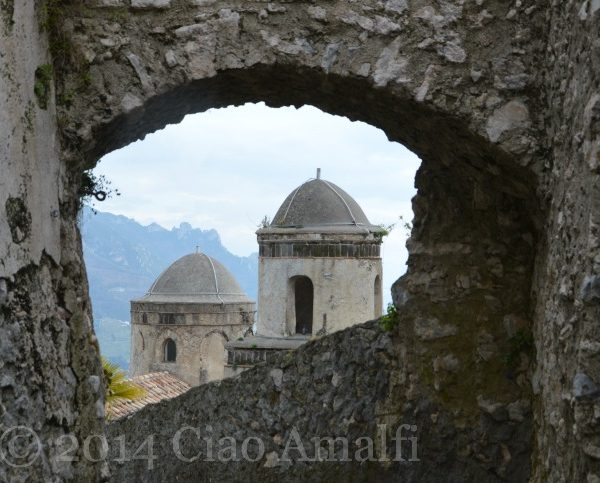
(303, 303)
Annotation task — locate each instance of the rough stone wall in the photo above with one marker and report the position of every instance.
(500, 101)
(450, 80)
(466, 322)
(50, 377)
(331, 387)
(567, 378)
(453, 81)
(340, 386)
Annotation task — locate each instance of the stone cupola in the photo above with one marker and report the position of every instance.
(320, 264)
(184, 321)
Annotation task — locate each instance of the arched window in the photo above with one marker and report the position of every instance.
(303, 301)
(377, 299)
(170, 351)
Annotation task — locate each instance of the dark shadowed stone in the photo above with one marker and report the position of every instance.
(3, 291)
(431, 329)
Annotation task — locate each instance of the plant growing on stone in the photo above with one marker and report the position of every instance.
(118, 388)
(265, 222)
(93, 186)
(390, 320)
(43, 84)
(51, 15)
(7, 11)
(384, 230)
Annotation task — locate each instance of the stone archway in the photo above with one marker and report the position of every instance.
(454, 81)
(467, 291)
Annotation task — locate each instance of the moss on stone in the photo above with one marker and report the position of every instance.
(7, 10)
(457, 392)
(43, 84)
(118, 14)
(51, 14)
(19, 219)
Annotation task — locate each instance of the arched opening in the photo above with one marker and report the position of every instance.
(427, 75)
(473, 238)
(303, 304)
(158, 199)
(377, 297)
(169, 351)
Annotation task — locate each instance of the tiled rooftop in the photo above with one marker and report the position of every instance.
(159, 386)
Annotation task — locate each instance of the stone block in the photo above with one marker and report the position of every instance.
(149, 4)
(431, 329)
(584, 387)
(107, 3)
(590, 289)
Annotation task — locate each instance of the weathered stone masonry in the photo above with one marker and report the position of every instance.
(495, 358)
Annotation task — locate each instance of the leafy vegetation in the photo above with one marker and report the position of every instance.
(98, 187)
(406, 225)
(51, 15)
(390, 320)
(265, 222)
(43, 84)
(118, 388)
(7, 10)
(384, 230)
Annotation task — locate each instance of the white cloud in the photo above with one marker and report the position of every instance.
(227, 168)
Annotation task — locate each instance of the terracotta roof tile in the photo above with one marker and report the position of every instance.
(159, 386)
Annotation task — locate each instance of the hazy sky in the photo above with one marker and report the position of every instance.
(228, 168)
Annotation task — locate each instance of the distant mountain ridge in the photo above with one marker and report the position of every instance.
(123, 258)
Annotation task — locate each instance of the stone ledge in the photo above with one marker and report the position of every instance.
(136, 4)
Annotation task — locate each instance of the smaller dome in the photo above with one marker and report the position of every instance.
(322, 205)
(196, 278)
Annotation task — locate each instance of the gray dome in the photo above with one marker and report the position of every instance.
(196, 278)
(321, 204)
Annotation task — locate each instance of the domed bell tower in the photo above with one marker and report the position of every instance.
(320, 266)
(184, 321)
